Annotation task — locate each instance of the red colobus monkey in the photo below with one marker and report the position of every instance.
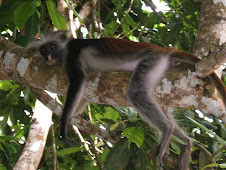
(148, 63)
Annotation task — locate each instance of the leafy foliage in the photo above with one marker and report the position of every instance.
(21, 20)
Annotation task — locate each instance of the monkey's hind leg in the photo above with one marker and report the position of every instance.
(151, 113)
(144, 79)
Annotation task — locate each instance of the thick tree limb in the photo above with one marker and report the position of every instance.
(33, 150)
(211, 37)
(180, 87)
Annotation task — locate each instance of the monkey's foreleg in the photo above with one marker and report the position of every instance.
(74, 97)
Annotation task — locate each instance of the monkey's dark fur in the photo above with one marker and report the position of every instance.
(148, 63)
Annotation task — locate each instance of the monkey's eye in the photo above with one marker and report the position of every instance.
(52, 47)
(43, 50)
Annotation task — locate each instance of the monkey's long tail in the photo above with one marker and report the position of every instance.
(220, 86)
(184, 57)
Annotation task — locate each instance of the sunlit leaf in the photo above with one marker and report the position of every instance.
(5, 85)
(112, 114)
(222, 141)
(210, 166)
(58, 19)
(223, 165)
(135, 135)
(23, 12)
(114, 126)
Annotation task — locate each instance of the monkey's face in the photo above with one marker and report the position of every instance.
(52, 52)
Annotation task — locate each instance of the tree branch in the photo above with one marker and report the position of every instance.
(210, 41)
(149, 3)
(33, 150)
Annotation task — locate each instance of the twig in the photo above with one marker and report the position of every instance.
(203, 149)
(96, 16)
(130, 31)
(148, 3)
(85, 143)
(55, 163)
(89, 112)
(95, 153)
(105, 6)
(83, 14)
(130, 6)
(142, 30)
(99, 20)
(218, 151)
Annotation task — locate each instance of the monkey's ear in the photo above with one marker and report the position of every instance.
(63, 37)
(60, 35)
(33, 46)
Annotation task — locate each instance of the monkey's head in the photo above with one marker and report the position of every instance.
(50, 46)
(52, 52)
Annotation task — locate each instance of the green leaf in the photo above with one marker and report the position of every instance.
(178, 140)
(175, 147)
(32, 28)
(112, 114)
(9, 138)
(114, 126)
(68, 151)
(23, 12)
(1, 147)
(126, 28)
(91, 167)
(5, 85)
(224, 80)
(74, 11)
(6, 16)
(104, 155)
(110, 27)
(118, 157)
(130, 21)
(99, 117)
(210, 166)
(129, 111)
(135, 135)
(58, 20)
(223, 165)
(222, 141)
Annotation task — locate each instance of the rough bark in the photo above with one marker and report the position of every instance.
(33, 150)
(211, 37)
